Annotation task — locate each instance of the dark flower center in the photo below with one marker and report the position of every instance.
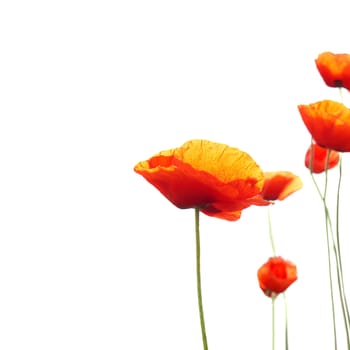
(338, 83)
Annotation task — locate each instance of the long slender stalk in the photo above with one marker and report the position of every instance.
(273, 296)
(344, 302)
(272, 241)
(338, 237)
(286, 321)
(328, 228)
(273, 322)
(199, 284)
(343, 299)
(337, 256)
(270, 232)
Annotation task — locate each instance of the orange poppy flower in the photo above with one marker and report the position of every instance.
(334, 69)
(329, 124)
(276, 275)
(218, 179)
(280, 184)
(316, 158)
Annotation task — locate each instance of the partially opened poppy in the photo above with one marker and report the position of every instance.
(316, 158)
(280, 184)
(329, 124)
(276, 275)
(219, 180)
(334, 69)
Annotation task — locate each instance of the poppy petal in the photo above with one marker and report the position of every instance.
(329, 124)
(316, 159)
(334, 69)
(280, 184)
(276, 275)
(211, 176)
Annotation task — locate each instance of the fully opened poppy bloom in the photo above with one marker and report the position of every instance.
(334, 69)
(329, 124)
(280, 184)
(316, 159)
(219, 180)
(276, 275)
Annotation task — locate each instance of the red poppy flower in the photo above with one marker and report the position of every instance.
(316, 157)
(329, 124)
(280, 184)
(276, 275)
(218, 179)
(334, 69)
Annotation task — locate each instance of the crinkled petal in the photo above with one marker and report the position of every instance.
(211, 176)
(329, 124)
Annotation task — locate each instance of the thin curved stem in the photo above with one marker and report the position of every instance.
(199, 284)
(343, 299)
(336, 250)
(328, 233)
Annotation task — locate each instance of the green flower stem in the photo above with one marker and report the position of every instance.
(270, 232)
(344, 302)
(273, 322)
(284, 294)
(199, 286)
(341, 94)
(336, 250)
(286, 317)
(273, 298)
(343, 299)
(338, 241)
(328, 233)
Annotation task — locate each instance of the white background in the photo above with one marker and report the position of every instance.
(91, 255)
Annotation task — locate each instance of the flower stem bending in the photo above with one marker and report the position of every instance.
(199, 284)
(337, 252)
(329, 232)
